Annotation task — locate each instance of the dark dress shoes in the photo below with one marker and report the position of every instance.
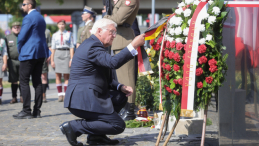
(68, 131)
(22, 115)
(100, 140)
(36, 114)
(128, 113)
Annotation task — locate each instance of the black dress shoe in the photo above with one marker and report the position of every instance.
(22, 115)
(36, 114)
(68, 131)
(100, 140)
(129, 112)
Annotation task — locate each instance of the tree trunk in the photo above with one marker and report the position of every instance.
(161, 130)
(171, 132)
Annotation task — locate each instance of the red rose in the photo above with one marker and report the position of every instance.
(199, 71)
(162, 74)
(213, 68)
(152, 42)
(171, 55)
(176, 67)
(156, 47)
(202, 59)
(184, 47)
(168, 89)
(175, 81)
(172, 44)
(168, 67)
(167, 77)
(177, 57)
(159, 40)
(202, 48)
(167, 45)
(176, 93)
(163, 65)
(180, 81)
(184, 56)
(179, 46)
(212, 62)
(199, 85)
(209, 80)
(166, 53)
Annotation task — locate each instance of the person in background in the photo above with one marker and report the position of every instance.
(13, 63)
(88, 16)
(61, 57)
(124, 14)
(45, 67)
(3, 65)
(33, 50)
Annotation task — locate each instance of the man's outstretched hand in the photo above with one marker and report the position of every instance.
(138, 41)
(127, 90)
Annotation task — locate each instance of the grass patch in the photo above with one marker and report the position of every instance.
(208, 122)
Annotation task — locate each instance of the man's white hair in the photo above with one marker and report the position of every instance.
(102, 23)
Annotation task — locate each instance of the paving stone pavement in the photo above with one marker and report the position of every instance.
(45, 131)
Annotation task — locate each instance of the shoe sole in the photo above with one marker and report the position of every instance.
(62, 129)
(99, 143)
(23, 117)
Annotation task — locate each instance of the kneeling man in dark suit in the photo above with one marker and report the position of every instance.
(89, 94)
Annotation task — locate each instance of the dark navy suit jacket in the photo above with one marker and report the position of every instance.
(90, 77)
(31, 40)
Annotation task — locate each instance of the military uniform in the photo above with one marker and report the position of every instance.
(124, 14)
(13, 63)
(84, 32)
(45, 67)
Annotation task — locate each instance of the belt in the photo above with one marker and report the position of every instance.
(126, 25)
(63, 49)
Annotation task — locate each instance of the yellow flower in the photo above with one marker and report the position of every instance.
(148, 51)
(149, 77)
(152, 65)
(150, 59)
(153, 53)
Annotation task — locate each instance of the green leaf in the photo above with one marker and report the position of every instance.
(198, 91)
(172, 84)
(223, 14)
(221, 3)
(207, 25)
(204, 84)
(223, 47)
(184, 25)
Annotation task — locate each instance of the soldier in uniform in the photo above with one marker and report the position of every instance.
(88, 16)
(61, 58)
(124, 14)
(13, 63)
(45, 68)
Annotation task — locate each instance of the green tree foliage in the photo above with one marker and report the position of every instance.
(13, 6)
(2, 34)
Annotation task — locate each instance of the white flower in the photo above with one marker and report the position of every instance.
(178, 30)
(171, 31)
(181, 5)
(203, 0)
(189, 22)
(212, 19)
(216, 10)
(202, 41)
(176, 20)
(208, 37)
(210, 2)
(205, 16)
(178, 40)
(196, 2)
(187, 12)
(186, 39)
(179, 11)
(170, 39)
(188, 2)
(202, 28)
(186, 31)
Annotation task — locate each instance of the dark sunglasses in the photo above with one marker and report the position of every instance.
(24, 4)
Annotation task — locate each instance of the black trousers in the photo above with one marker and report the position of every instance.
(98, 123)
(31, 68)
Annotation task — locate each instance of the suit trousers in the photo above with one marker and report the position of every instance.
(98, 123)
(126, 76)
(31, 68)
